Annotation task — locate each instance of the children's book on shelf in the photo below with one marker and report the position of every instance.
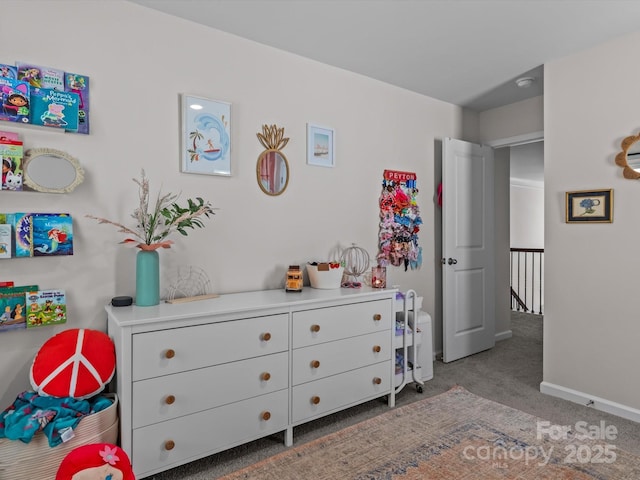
(46, 307)
(51, 234)
(8, 71)
(79, 84)
(15, 100)
(23, 235)
(6, 240)
(11, 154)
(45, 96)
(7, 219)
(39, 76)
(52, 108)
(9, 137)
(13, 307)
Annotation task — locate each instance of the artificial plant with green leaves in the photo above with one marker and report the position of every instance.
(166, 217)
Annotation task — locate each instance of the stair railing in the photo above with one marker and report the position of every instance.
(527, 289)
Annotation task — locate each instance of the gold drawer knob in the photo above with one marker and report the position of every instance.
(315, 328)
(170, 399)
(265, 376)
(377, 317)
(377, 380)
(266, 337)
(170, 353)
(169, 445)
(315, 400)
(377, 348)
(315, 363)
(265, 416)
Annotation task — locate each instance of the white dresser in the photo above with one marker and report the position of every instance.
(197, 378)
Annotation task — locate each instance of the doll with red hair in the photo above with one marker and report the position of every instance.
(96, 461)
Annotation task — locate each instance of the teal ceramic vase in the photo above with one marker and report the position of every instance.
(147, 278)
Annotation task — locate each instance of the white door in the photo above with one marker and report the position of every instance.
(468, 270)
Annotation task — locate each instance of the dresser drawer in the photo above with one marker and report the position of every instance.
(179, 349)
(320, 325)
(314, 399)
(174, 442)
(319, 361)
(172, 396)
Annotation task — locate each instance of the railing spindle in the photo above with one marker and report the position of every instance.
(526, 274)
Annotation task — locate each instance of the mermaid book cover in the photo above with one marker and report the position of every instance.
(52, 234)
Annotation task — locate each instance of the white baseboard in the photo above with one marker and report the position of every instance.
(598, 403)
(503, 335)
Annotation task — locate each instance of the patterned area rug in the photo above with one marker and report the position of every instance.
(455, 435)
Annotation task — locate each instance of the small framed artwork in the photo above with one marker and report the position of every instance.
(320, 146)
(205, 142)
(589, 206)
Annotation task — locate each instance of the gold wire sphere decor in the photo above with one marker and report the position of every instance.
(355, 260)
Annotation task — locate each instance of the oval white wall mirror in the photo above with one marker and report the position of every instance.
(51, 171)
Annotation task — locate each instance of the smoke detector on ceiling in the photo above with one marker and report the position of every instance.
(525, 82)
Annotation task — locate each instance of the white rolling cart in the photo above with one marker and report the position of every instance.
(413, 343)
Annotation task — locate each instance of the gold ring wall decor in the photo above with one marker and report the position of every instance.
(629, 157)
(272, 169)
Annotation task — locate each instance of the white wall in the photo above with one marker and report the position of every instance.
(527, 163)
(527, 216)
(513, 120)
(592, 327)
(139, 60)
(527, 195)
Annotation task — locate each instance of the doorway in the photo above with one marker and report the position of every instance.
(502, 240)
(526, 200)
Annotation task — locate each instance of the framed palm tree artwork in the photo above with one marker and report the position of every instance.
(205, 145)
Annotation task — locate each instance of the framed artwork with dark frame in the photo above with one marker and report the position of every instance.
(205, 141)
(589, 206)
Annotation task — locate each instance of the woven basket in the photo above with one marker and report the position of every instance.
(36, 460)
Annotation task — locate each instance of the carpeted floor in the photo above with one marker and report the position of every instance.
(510, 374)
(453, 435)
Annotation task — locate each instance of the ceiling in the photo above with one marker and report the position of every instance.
(465, 52)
